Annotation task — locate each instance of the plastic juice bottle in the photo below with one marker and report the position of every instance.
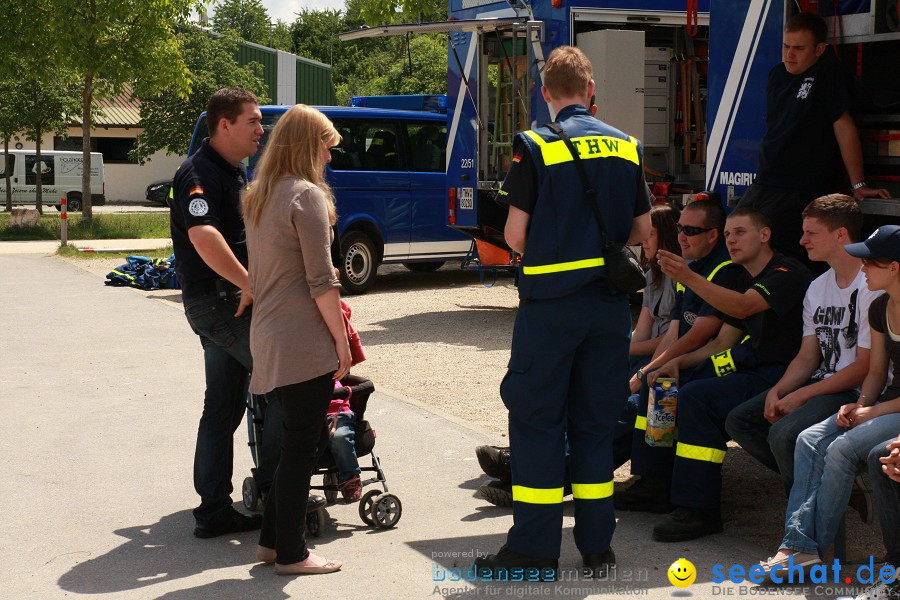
(662, 405)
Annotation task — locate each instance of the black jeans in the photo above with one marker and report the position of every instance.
(227, 361)
(304, 406)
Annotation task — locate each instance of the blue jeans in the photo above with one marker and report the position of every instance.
(773, 445)
(825, 464)
(886, 495)
(343, 446)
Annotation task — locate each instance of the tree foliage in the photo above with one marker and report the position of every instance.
(377, 12)
(370, 66)
(167, 118)
(111, 43)
(248, 19)
(38, 87)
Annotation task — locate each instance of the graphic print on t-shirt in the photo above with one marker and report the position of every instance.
(833, 335)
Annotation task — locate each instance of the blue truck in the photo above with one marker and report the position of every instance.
(688, 78)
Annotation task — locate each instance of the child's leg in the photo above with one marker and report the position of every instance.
(343, 446)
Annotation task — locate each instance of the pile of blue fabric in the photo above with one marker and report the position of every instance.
(145, 273)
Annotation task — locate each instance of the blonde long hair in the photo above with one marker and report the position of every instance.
(293, 150)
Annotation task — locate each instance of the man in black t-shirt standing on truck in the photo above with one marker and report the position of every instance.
(808, 130)
(211, 251)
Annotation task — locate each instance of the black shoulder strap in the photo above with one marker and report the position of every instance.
(589, 191)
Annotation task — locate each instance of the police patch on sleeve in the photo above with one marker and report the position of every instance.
(198, 207)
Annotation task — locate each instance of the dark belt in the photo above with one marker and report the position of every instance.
(217, 286)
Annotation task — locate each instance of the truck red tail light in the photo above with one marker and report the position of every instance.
(451, 206)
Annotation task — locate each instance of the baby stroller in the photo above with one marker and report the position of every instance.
(376, 508)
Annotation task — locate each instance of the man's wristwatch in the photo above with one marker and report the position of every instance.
(859, 186)
(640, 374)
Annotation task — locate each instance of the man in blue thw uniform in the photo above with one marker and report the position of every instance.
(568, 367)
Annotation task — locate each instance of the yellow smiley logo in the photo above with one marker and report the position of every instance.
(682, 573)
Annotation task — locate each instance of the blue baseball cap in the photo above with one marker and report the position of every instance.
(883, 243)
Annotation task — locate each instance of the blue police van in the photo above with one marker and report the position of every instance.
(388, 176)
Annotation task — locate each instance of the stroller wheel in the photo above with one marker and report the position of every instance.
(365, 507)
(315, 522)
(330, 479)
(250, 493)
(386, 511)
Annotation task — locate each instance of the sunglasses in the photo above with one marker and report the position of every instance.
(690, 230)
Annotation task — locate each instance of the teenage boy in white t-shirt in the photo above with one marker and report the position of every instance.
(834, 354)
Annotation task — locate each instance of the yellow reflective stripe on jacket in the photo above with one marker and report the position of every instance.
(588, 146)
(723, 363)
(574, 265)
(592, 491)
(537, 495)
(679, 287)
(713, 455)
(640, 423)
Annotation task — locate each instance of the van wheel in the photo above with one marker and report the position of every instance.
(74, 203)
(359, 262)
(424, 267)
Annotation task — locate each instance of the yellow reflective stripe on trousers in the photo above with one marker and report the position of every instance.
(679, 287)
(588, 146)
(640, 423)
(592, 491)
(587, 263)
(537, 495)
(723, 363)
(713, 455)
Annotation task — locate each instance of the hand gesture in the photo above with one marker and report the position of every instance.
(771, 412)
(670, 369)
(673, 266)
(342, 347)
(844, 415)
(246, 300)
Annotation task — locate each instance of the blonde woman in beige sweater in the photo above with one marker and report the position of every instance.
(297, 336)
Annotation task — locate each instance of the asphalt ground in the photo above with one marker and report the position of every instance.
(100, 394)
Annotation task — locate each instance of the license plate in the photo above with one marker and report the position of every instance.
(466, 198)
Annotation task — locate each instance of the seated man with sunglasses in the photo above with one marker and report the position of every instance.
(834, 354)
(693, 324)
(759, 338)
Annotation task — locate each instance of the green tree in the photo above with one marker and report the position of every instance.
(40, 93)
(10, 124)
(168, 119)
(247, 18)
(428, 75)
(43, 104)
(281, 36)
(377, 12)
(111, 43)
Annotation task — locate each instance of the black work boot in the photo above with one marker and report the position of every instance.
(596, 566)
(647, 494)
(687, 524)
(506, 560)
(494, 461)
(497, 493)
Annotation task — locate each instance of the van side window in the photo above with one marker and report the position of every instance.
(428, 146)
(9, 167)
(367, 146)
(45, 168)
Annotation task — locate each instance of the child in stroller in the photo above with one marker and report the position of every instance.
(341, 423)
(376, 508)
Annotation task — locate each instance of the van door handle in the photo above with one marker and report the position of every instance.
(464, 177)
